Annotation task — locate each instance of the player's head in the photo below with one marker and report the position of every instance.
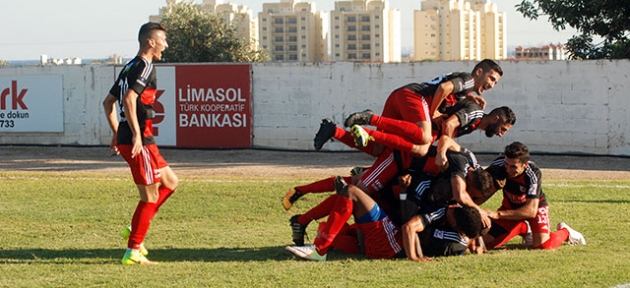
(486, 74)
(152, 38)
(516, 158)
(503, 119)
(479, 183)
(468, 221)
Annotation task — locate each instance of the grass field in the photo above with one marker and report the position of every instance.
(61, 230)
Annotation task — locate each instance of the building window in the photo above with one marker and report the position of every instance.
(303, 36)
(279, 48)
(365, 37)
(365, 46)
(279, 30)
(278, 21)
(337, 55)
(264, 28)
(352, 56)
(336, 17)
(292, 47)
(351, 19)
(365, 28)
(303, 46)
(377, 35)
(292, 29)
(377, 54)
(336, 26)
(336, 45)
(365, 56)
(279, 39)
(352, 37)
(337, 36)
(279, 57)
(303, 18)
(365, 18)
(264, 37)
(293, 57)
(292, 20)
(352, 47)
(292, 38)
(303, 28)
(352, 28)
(264, 19)
(377, 45)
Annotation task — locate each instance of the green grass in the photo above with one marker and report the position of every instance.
(63, 230)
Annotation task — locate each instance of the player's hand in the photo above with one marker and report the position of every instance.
(485, 218)
(404, 181)
(441, 162)
(114, 145)
(477, 99)
(137, 146)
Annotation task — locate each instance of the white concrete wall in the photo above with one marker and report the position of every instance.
(561, 107)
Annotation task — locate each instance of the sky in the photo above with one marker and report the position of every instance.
(91, 29)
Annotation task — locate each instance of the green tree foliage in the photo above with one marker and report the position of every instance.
(608, 19)
(4, 63)
(196, 36)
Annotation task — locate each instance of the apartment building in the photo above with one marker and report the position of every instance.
(547, 52)
(459, 30)
(291, 31)
(365, 30)
(238, 16)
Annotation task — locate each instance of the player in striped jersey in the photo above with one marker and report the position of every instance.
(135, 91)
(523, 200)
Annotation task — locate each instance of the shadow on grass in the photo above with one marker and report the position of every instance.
(100, 256)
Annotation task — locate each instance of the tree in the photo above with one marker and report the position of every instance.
(608, 19)
(196, 36)
(4, 63)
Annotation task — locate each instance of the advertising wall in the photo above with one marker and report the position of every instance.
(31, 103)
(203, 106)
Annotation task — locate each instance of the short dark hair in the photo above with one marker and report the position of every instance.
(468, 221)
(517, 150)
(505, 114)
(147, 29)
(482, 180)
(487, 65)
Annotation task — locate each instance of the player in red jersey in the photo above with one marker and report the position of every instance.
(523, 200)
(420, 103)
(382, 237)
(461, 119)
(134, 91)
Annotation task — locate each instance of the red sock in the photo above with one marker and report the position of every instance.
(140, 223)
(346, 138)
(324, 185)
(318, 212)
(555, 239)
(391, 140)
(398, 127)
(341, 212)
(165, 192)
(347, 240)
(519, 229)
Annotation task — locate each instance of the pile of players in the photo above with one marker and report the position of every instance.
(421, 197)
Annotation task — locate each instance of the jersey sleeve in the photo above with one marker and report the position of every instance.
(469, 112)
(457, 164)
(463, 83)
(534, 189)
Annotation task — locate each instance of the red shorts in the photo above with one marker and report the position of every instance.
(383, 170)
(403, 104)
(539, 224)
(383, 238)
(146, 167)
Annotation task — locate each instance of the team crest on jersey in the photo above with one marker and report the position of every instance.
(439, 234)
(523, 189)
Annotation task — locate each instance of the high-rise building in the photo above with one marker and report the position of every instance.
(459, 30)
(365, 30)
(238, 16)
(291, 31)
